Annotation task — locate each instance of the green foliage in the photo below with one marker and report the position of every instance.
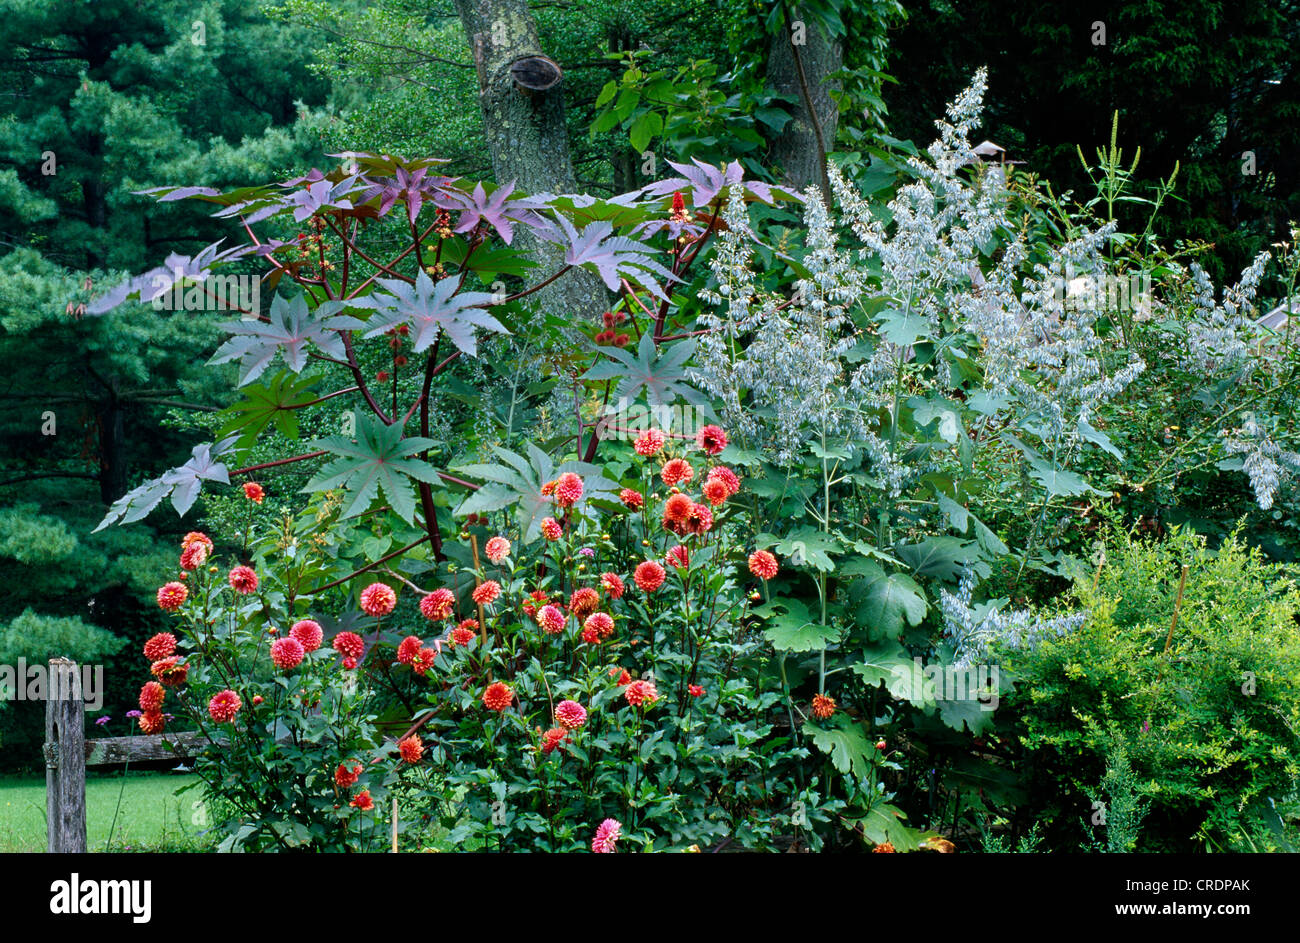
(1208, 725)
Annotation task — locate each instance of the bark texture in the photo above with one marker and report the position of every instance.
(797, 148)
(527, 139)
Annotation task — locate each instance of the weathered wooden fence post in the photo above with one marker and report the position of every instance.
(65, 759)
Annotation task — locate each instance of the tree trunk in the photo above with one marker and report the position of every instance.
(801, 70)
(527, 139)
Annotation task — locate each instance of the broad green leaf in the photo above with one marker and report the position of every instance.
(811, 547)
(290, 327)
(940, 557)
(1098, 438)
(884, 823)
(889, 662)
(845, 741)
(793, 628)
(883, 602)
(903, 328)
(379, 459)
(274, 403)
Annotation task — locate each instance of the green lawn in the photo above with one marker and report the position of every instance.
(151, 818)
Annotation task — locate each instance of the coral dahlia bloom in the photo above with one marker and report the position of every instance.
(677, 509)
(695, 690)
(535, 598)
(568, 490)
(584, 602)
(243, 579)
(224, 706)
(409, 648)
(679, 557)
(363, 801)
(553, 738)
(171, 596)
(152, 722)
(711, 439)
(196, 537)
(590, 635)
(551, 619)
(641, 692)
(461, 636)
(378, 599)
(649, 576)
(623, 676)
(701, 519)
(170, 671)
(631, 499)
(498, 548)
(346, 778)
(570, 715)
(822, 706)
(424, 659)
(676, 471)
(725, 475)
(438, 604)
(151, 696)
(612, 583)
(607, 836)
(160, 646)
(649, 442)
(350, 646)
(253, 492)
(548, 489)
(308, 633)
(715, 491)
(762, 564)
(498, 696)
(486, 592)
(194, 556)
(287, 653)
(551, 528)
(601, 623)
(411, 749)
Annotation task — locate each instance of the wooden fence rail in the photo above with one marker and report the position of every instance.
(68, 753)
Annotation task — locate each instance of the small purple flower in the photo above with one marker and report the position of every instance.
(132, 713)
(1146, 725)
(101, 721)
(587, 552)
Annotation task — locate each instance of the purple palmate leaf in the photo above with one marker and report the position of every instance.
(158, 282)
(498, 210)
(612, 257)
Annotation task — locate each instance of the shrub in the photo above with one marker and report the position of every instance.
(1207, 714)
